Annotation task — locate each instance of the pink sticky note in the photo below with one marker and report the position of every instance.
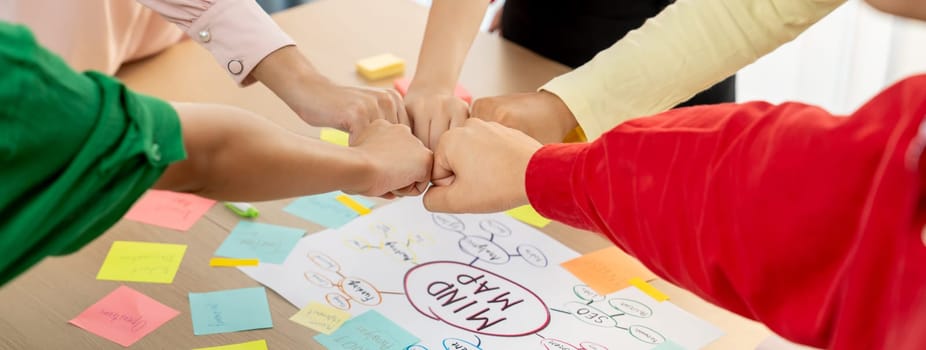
(124, 316)
(178, 211)
(401, 85)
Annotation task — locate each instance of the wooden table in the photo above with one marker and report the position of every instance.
(333, 34)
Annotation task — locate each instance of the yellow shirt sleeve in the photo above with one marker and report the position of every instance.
(688, 47)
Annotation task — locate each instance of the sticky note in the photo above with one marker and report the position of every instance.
(251, 345)
(527, 214)
(178, 211)
(380, 66)
(230, 262)
(349, 202)
(607, 270)
(230, 311)
(370, 330)
(124, 316)
(265, 242)
(334, 136)
(142, 262)
(401, 85)
(325, 210)
(648, 289)
(321, 317)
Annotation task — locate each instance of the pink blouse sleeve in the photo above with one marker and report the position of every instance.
(238, 33)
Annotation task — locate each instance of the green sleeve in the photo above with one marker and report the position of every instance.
(76, 150)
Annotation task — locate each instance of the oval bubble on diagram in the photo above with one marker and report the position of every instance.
(586, 293)
(474, 299)
(318, 279)
(553, 344)
(459, 344)
(591, 346)
(495, 228)
(646, 334)
(323, 261)
(484, 249)
(361, 291)
(631, 307)
(590, 315)
(448, 222)
(337, 300)
(532, 255)
(417, 347)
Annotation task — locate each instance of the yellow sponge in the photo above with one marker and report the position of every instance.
(380, 66)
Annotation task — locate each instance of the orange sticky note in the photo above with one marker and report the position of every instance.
(178, 211)
(607, 270)
(401, 85)
(124, 316)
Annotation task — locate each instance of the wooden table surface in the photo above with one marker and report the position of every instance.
(333, 34)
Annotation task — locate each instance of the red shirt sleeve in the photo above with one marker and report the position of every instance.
(781, 213)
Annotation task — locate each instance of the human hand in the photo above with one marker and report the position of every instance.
(399, 164)
(433, 113)
(480, 167)
(320, 102)
(542, 115)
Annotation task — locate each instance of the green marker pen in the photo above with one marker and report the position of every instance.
(243, 209)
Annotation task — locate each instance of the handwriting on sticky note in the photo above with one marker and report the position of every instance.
(178, 211)
(265, 242)
(334, 136)
(251, 345)
(324, 209)
(124, 316)
(527, 214)
(321, 317)
(142, 262)
(230, 311)
(368, 331)
(607, 270)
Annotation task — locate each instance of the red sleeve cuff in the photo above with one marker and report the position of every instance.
(550, 184)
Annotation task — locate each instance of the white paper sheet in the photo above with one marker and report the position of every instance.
(472, 282)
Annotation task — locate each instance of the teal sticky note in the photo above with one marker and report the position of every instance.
(230, 310)
(668, 345)
(325, 210)
(267, 243)
(369, 330)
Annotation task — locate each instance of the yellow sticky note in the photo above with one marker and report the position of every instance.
(380, 66)
(142, 262)
(649, 289)
(334, 136)
(607, 270)
(230, 262)
(321, 317)
(526, 213)
(251, 345)
(352, 204)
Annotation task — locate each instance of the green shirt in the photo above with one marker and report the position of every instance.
(76, 150)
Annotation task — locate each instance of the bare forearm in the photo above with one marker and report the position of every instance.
(235, 155)
(452, 26)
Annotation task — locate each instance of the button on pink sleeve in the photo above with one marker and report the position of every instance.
(238, 33)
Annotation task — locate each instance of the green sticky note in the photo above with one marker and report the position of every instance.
(230, 311)
(268, 243)
(321, 317)
(142, 262)
(369, 330)
(527, 214)
(251, 345)
(334, 136)
(325, 210)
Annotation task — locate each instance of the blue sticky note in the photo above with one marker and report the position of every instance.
(369, 330)
(668, 345)
(325, 210)
(267, 243)
(230, 311)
